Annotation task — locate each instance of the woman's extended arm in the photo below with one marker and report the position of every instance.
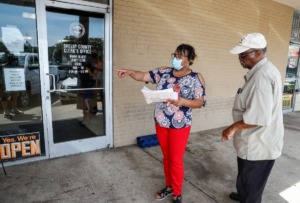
(136, 75)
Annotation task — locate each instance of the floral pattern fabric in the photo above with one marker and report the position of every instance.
(188, 87)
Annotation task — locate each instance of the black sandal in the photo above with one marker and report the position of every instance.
(164, 193)
(177, 199)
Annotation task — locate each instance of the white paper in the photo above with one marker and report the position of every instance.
(159, 95)
(14, 79)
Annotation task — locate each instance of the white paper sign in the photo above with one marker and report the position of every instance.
(14, 79)
(159, 95)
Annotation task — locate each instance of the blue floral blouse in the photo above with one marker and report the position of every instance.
(188, 86)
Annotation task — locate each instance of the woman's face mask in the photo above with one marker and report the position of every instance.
(177, 63)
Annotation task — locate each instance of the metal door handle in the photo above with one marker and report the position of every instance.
(54, 83)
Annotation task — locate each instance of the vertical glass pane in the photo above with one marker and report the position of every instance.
(290, 77)
(76, 48)
(20, 86)
(288, 93)
(293, 60)
(295, 34)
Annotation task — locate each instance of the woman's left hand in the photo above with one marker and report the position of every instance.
(195, 103)
(178, 102)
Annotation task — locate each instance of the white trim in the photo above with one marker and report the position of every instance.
(43, 61)
(85, 146)
(109, 76)
(75, 4)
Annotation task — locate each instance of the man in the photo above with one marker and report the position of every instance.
(257, 130)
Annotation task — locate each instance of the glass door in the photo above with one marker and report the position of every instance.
(78, 47)
(289, 90)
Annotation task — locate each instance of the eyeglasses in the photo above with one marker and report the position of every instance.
(178, 56)
(245, 54)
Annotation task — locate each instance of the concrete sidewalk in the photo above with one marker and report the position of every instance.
(131, 174)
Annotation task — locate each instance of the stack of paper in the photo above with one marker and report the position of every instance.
(159, 95)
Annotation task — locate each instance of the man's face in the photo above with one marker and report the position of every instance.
(248, 59)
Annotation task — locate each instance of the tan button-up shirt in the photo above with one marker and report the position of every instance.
(259, 102)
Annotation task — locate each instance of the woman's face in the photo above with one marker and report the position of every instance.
(183, 57)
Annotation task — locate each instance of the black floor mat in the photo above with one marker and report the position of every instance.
(63, 130)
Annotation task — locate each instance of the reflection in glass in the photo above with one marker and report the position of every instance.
(293, 61)
(19, 70)
(288, 92)
(290, 86)
(76, 48)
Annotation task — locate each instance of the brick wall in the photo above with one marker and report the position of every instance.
(146, 32)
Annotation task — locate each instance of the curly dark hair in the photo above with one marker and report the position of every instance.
(188, 51)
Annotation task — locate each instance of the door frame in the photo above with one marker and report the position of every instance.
(79, 146)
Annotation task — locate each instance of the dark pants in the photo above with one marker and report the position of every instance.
(252, 178)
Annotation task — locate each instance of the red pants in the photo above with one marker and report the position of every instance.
(173, 142)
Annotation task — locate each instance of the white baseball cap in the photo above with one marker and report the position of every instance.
(250, 41)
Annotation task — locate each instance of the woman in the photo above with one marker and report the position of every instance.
(173, 118)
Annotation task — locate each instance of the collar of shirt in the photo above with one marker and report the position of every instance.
(255, 68)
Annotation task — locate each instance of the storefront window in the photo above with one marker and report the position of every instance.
(19, 82)
(295, 34)
(287, 99)
(290, 77)
(291, 85)
(293, 60)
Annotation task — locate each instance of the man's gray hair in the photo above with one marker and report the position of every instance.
(263, 51)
